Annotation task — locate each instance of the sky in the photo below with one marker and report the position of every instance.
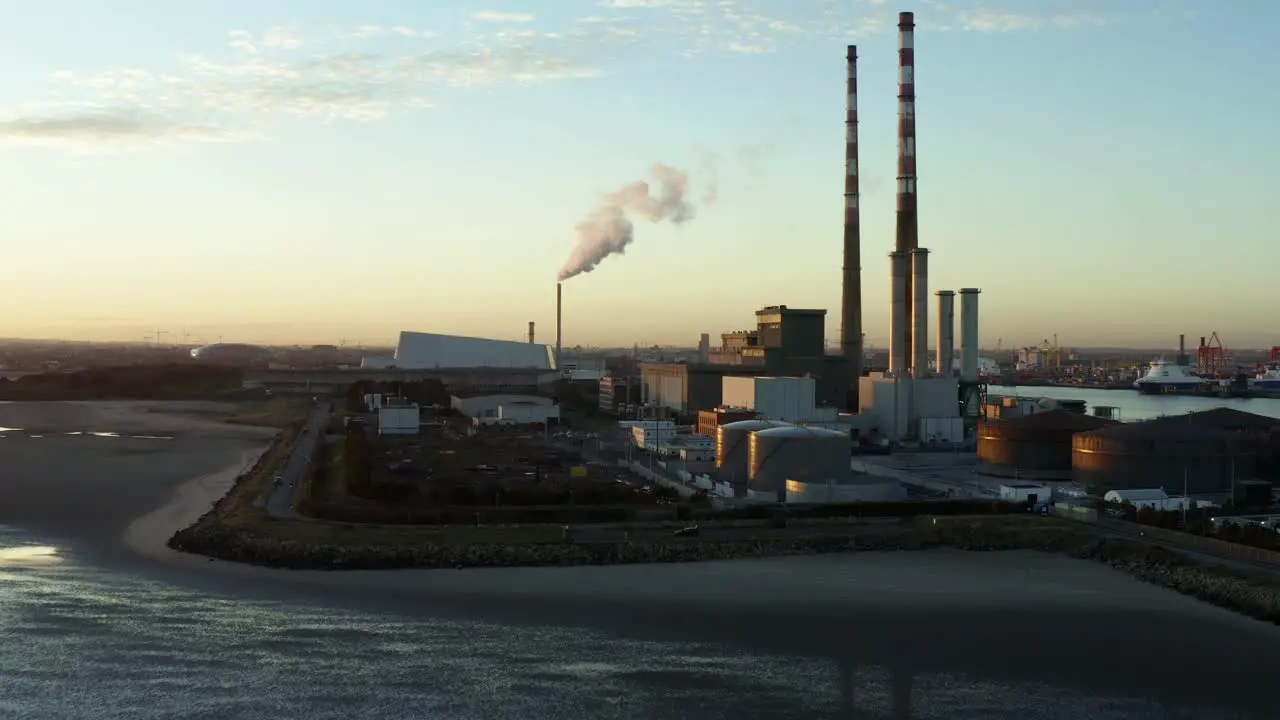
(324, 171)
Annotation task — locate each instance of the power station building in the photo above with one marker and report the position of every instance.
(431, 351)
(786, 342)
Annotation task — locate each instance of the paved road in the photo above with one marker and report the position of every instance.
(280, 497)
(1115, 529)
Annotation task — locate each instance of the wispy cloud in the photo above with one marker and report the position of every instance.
(285, 72)
(501, 17)
(264, 77)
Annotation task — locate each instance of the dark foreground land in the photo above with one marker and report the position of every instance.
(990, 635)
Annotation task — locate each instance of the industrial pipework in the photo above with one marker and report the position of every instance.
(898, 322)
(907, 226)
(851, 301)
(920, 313)
(559, 325)
(531, 336)
(969, 334)
(946, 333)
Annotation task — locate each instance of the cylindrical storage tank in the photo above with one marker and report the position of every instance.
(1036, 446)
(1172, 453)
(920, 313)
(797, 453)
(899, 320)
(946, 333)
(969, 333)
(733, 447)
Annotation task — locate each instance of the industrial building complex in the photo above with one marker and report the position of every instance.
(769, 415)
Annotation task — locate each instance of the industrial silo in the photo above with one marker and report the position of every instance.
(1035, 446)
(797, 453)
(732, 447)
(1169, 453)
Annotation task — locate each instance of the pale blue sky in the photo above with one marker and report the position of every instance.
(310, 170)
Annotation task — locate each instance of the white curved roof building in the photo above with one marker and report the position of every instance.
(231, 353)
(429, 351)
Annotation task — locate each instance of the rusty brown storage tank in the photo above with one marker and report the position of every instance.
(733, 447)
(1169, 453)
(798, 453)
(1036, 446)
(1260, 428)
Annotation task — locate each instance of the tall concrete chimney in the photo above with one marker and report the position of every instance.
(851, 300)
(899, 325)
(559, 324)
(531, 335)
(907, 229)
(969, 334)
(920, 313)
(946, 333)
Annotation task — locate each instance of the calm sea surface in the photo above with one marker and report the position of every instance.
(100, 642)
(1136, 406)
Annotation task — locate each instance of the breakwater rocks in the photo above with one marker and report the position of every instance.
(1224, 587)
(237, 545)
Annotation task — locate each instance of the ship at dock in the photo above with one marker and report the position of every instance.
(1165, 377)
(1267, 379)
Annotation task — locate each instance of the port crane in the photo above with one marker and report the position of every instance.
(1212, 359)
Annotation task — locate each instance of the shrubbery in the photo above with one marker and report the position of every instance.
(126, 382)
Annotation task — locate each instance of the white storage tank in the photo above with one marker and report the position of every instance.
(797, 453)
(732, 446)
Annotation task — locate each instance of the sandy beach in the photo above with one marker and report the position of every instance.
(1013, 615)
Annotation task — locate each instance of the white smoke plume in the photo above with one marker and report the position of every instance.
(608, 230)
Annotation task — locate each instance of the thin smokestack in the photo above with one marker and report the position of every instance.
(851, 302)
(969, 334)
(559, 323)
(531, 335)
(907, 229)
(920, 313)
(946, 333)
(898, 317)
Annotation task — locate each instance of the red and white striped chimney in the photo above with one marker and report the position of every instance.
(907, 228)
(851, 302)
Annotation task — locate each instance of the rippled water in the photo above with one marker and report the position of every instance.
(83, 642)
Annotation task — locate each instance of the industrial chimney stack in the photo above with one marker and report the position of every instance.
(907, 230)
(946, 333)
(851, 302)
(920, 313)
(899, 322)
(559, 325)
(969, 334)
(531, 335)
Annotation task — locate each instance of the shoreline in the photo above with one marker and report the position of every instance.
(149, 534)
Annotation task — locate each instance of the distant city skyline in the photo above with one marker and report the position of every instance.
(294, 172)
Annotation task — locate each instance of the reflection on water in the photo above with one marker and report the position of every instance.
(139, 649)
(28, 555)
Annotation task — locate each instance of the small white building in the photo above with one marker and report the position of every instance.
(652, 437)
(398, 420)
(1155, 499)
(1025, 493)
(506, 409)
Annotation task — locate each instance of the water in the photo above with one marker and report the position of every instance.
(1135, 406)
(86, 641)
